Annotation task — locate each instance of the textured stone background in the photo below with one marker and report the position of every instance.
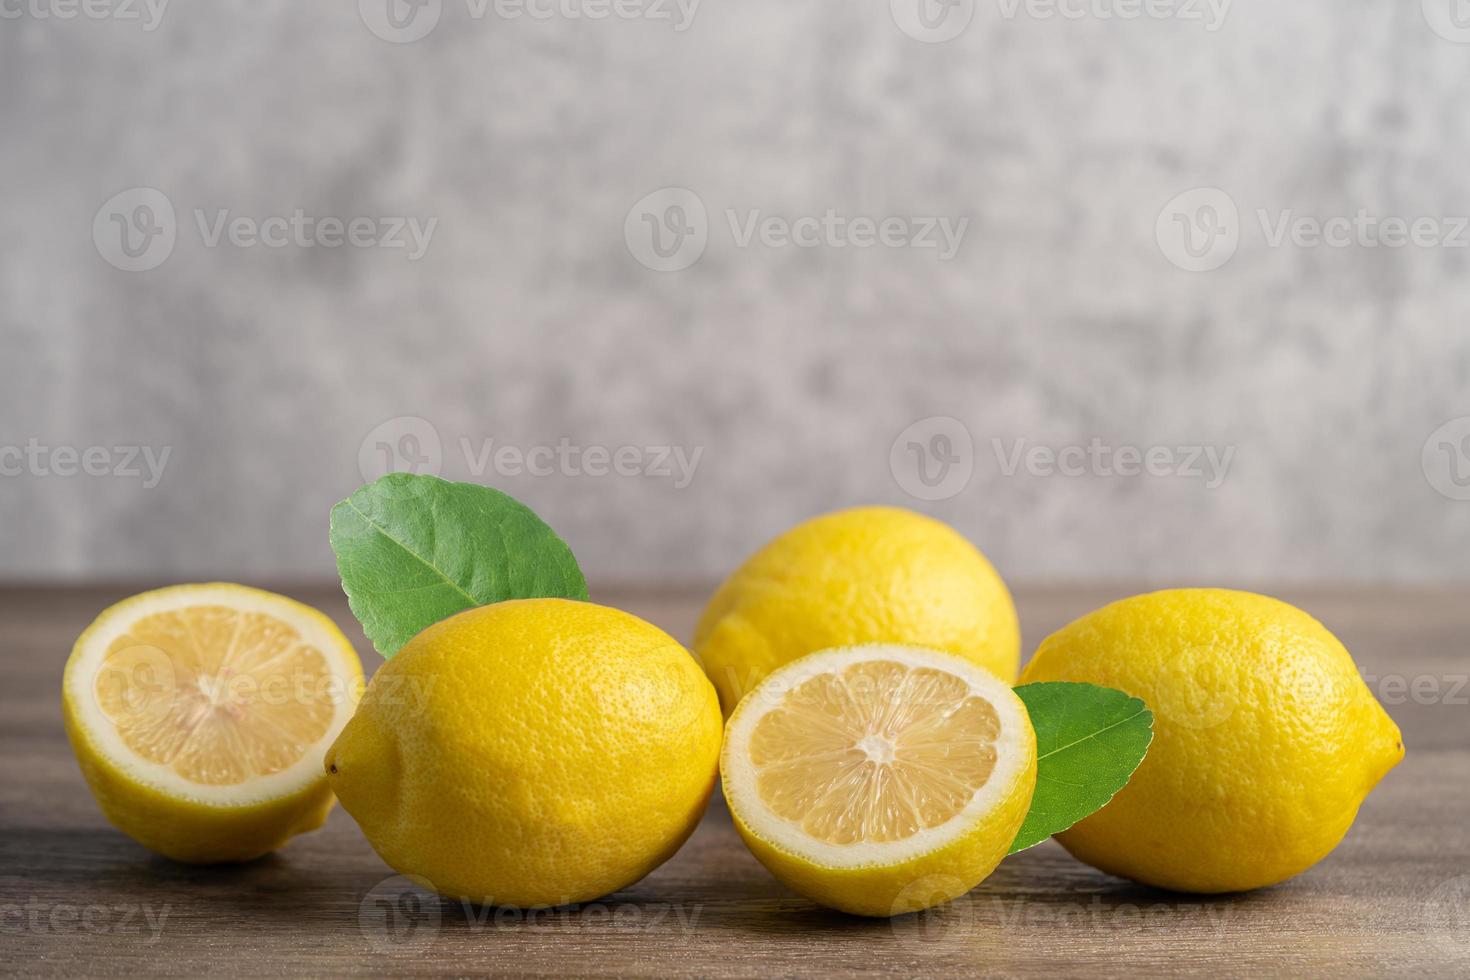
(529, 321)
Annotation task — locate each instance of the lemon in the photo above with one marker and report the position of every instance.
(879, 779)
(864, 575)
(530, 753)
(1266, 739)
(199, 714)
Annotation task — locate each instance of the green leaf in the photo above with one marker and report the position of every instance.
(413, 550)
(1089, 740)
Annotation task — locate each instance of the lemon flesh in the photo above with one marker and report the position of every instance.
(880, 779)
(1266, 740)
(199, 715)
(532, 752)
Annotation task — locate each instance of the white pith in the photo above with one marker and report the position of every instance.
(740, 772)
(82, 672)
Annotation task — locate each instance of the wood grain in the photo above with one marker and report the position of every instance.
(78, 898)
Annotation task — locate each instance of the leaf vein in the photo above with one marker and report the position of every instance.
(1091, 735)
(426, 563)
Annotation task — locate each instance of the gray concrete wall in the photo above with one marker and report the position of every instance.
(1326, 379)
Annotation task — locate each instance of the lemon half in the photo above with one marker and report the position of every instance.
(880, 779)
(200, 715)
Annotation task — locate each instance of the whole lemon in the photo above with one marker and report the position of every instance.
(530, 753)
(863, 575)
(1266, 740)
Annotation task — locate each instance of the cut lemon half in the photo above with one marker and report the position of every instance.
(200, 715)
(879, 779)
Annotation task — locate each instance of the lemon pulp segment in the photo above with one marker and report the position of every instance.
(876, 751)
(215, 694)
(879, 779)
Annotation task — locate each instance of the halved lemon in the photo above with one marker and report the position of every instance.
(879, 779)
(200, 715)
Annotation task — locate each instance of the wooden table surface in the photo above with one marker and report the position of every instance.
(79, 898)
